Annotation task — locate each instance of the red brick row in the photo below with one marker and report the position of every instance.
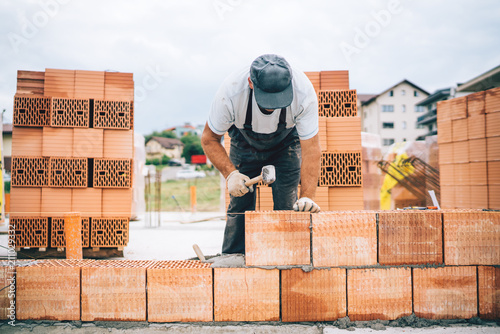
(365, 238)
(116, 291)
(71, 172)
(72, 112)
(34, 232)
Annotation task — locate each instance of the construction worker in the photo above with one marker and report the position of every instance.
(271, 114)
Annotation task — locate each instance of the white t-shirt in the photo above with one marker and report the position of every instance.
(230, 106)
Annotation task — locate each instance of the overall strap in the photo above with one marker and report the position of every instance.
(248, 117)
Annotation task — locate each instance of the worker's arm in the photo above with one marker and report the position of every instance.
(214, 150)
(309, 172)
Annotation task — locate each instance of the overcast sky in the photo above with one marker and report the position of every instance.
(180, 51)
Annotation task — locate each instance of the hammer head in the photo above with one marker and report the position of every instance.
(268, 174)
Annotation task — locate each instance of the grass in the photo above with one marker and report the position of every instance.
(207, 194)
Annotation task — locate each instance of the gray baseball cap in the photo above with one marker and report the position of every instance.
(271, 76)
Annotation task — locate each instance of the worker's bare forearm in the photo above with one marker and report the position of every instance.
(215, 152)
(309, 172)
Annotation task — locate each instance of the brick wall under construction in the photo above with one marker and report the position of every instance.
(72, 151)
(300, 267)
(340, 182)
(469, 150)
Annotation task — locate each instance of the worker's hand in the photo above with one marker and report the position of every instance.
(236, 184)
(306, 204)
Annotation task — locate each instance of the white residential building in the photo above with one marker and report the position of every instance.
(393, 113)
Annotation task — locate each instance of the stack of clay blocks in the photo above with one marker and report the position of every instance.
(72, 151)
(300, 267)
(340, 182)
(469, 150)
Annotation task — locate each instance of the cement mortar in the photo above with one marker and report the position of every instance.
(410, 324)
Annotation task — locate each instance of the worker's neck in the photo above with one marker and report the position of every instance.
(266, 111)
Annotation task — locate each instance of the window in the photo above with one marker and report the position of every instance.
(404, 125)
(419, 108)
(419, 126)
(388, 125)
(391, 93)
(415, 93)
(403, 92)
(403, 107)
(387, 108)
(404, 139)
(388, 141)
(365, 114)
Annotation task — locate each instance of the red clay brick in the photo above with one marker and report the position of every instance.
(277, 238)
(27, 141)
(489, 292)
(49, 290)
(30, 231)
(7, 280)
(445, 293)
(343, 133)
(383, 294)
(88, 143)
(87, 201)
(410, 238)
(345, 198)
(56, 201)
(118, 144)
(25, 202)
(344, 238)
(319, 295)
(186, 285)
(471, 238)
(475, 103)
(114, 290)
(246, 294)
(116, 202)
(57, 142)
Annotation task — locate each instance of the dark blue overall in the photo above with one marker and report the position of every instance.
(249, 152)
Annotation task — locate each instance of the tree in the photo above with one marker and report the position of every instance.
(192, 146)
(166, 134)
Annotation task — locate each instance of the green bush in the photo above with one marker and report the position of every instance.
(154, 161)
(165, 159)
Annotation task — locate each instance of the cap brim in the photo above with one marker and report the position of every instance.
(278, 100)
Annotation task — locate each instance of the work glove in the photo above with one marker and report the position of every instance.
(306, 204)
(236, 184)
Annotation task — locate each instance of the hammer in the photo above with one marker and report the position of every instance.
(267, 176)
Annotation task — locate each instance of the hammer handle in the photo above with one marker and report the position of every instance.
(255, 180)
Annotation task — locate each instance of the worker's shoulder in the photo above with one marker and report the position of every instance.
(302, 86)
